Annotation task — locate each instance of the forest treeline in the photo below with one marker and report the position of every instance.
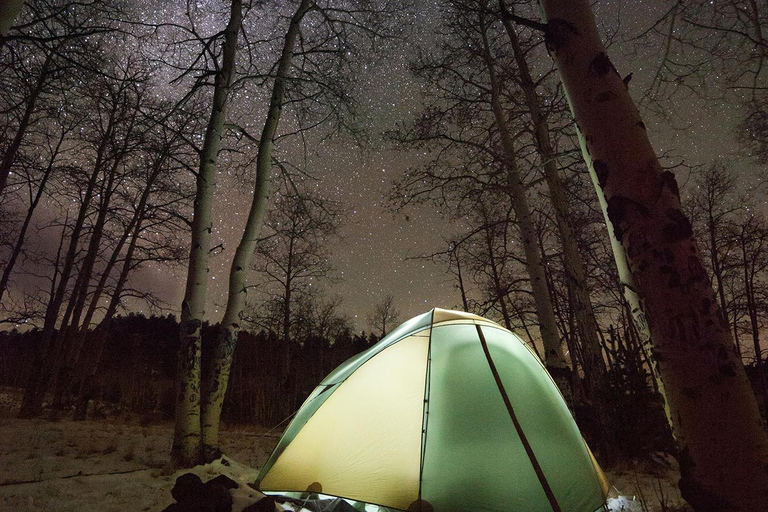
(136, 373)
(137, 370)
(135, 377)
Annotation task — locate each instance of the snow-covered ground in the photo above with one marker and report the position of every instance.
(101, 466)
(116, 466)
(649, 486)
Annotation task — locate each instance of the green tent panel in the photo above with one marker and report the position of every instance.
(448, 413)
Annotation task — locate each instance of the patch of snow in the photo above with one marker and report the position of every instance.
(624, 504)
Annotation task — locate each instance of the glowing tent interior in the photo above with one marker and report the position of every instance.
(450, 412)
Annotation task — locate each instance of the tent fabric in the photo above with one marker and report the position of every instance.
(417, 422)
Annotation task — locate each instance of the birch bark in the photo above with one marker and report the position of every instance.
(594, 366)
(217, 377)
(554, 358)
(187, 450)
(713, 413)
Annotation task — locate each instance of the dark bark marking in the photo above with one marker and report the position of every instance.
(706, 304)
(674, 275)
(618, 207)
(696, 272)
(605, 96)
(683, 328)
(725, 365)
(601, 170)
(601, 65)
(668, 180)
(557, 34)
(641, 125)
(679, 228)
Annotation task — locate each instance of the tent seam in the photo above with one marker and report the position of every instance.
(425, 405)
(519, 428)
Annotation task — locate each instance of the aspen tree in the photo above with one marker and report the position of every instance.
(187, 450)
(723, 447)
(217, 376)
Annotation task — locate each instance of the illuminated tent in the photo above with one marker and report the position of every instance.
(450, 412)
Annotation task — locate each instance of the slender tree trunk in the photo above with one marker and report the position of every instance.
(45, 354)
(187, 449)
(712, 410)
(13, 148)
(27, 219)
(497, 288)
(736, 331)
(78, 364)
(714, 257)
(70, 326)
(554, 358)
(221, 362)
(287, 298)
(532, 342)
(88, 364)
(460, 279)
(592, 358)
(97, 233)
(749, 292)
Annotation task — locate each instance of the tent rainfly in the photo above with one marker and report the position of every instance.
(449, 413)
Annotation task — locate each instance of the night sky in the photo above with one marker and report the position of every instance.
(371, 257)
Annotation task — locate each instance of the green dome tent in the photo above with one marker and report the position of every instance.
(449, 413)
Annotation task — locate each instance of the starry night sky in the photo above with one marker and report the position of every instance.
(370, 259)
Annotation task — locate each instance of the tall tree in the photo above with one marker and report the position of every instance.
(468, 114)
(217, 377)
(710, 404)
(312, 75)
(112, 98)
(594, 366)
(713, 205)
(292, 261)
(186, 449)
(751, 235)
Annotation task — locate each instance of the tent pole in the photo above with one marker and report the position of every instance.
(523, 439)
(425, 405)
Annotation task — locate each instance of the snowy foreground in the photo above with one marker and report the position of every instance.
(107, 466)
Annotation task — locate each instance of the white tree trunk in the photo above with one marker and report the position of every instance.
(186, 450)
(553, 347)
(594, 366)
(221, 362)
(712, 409)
